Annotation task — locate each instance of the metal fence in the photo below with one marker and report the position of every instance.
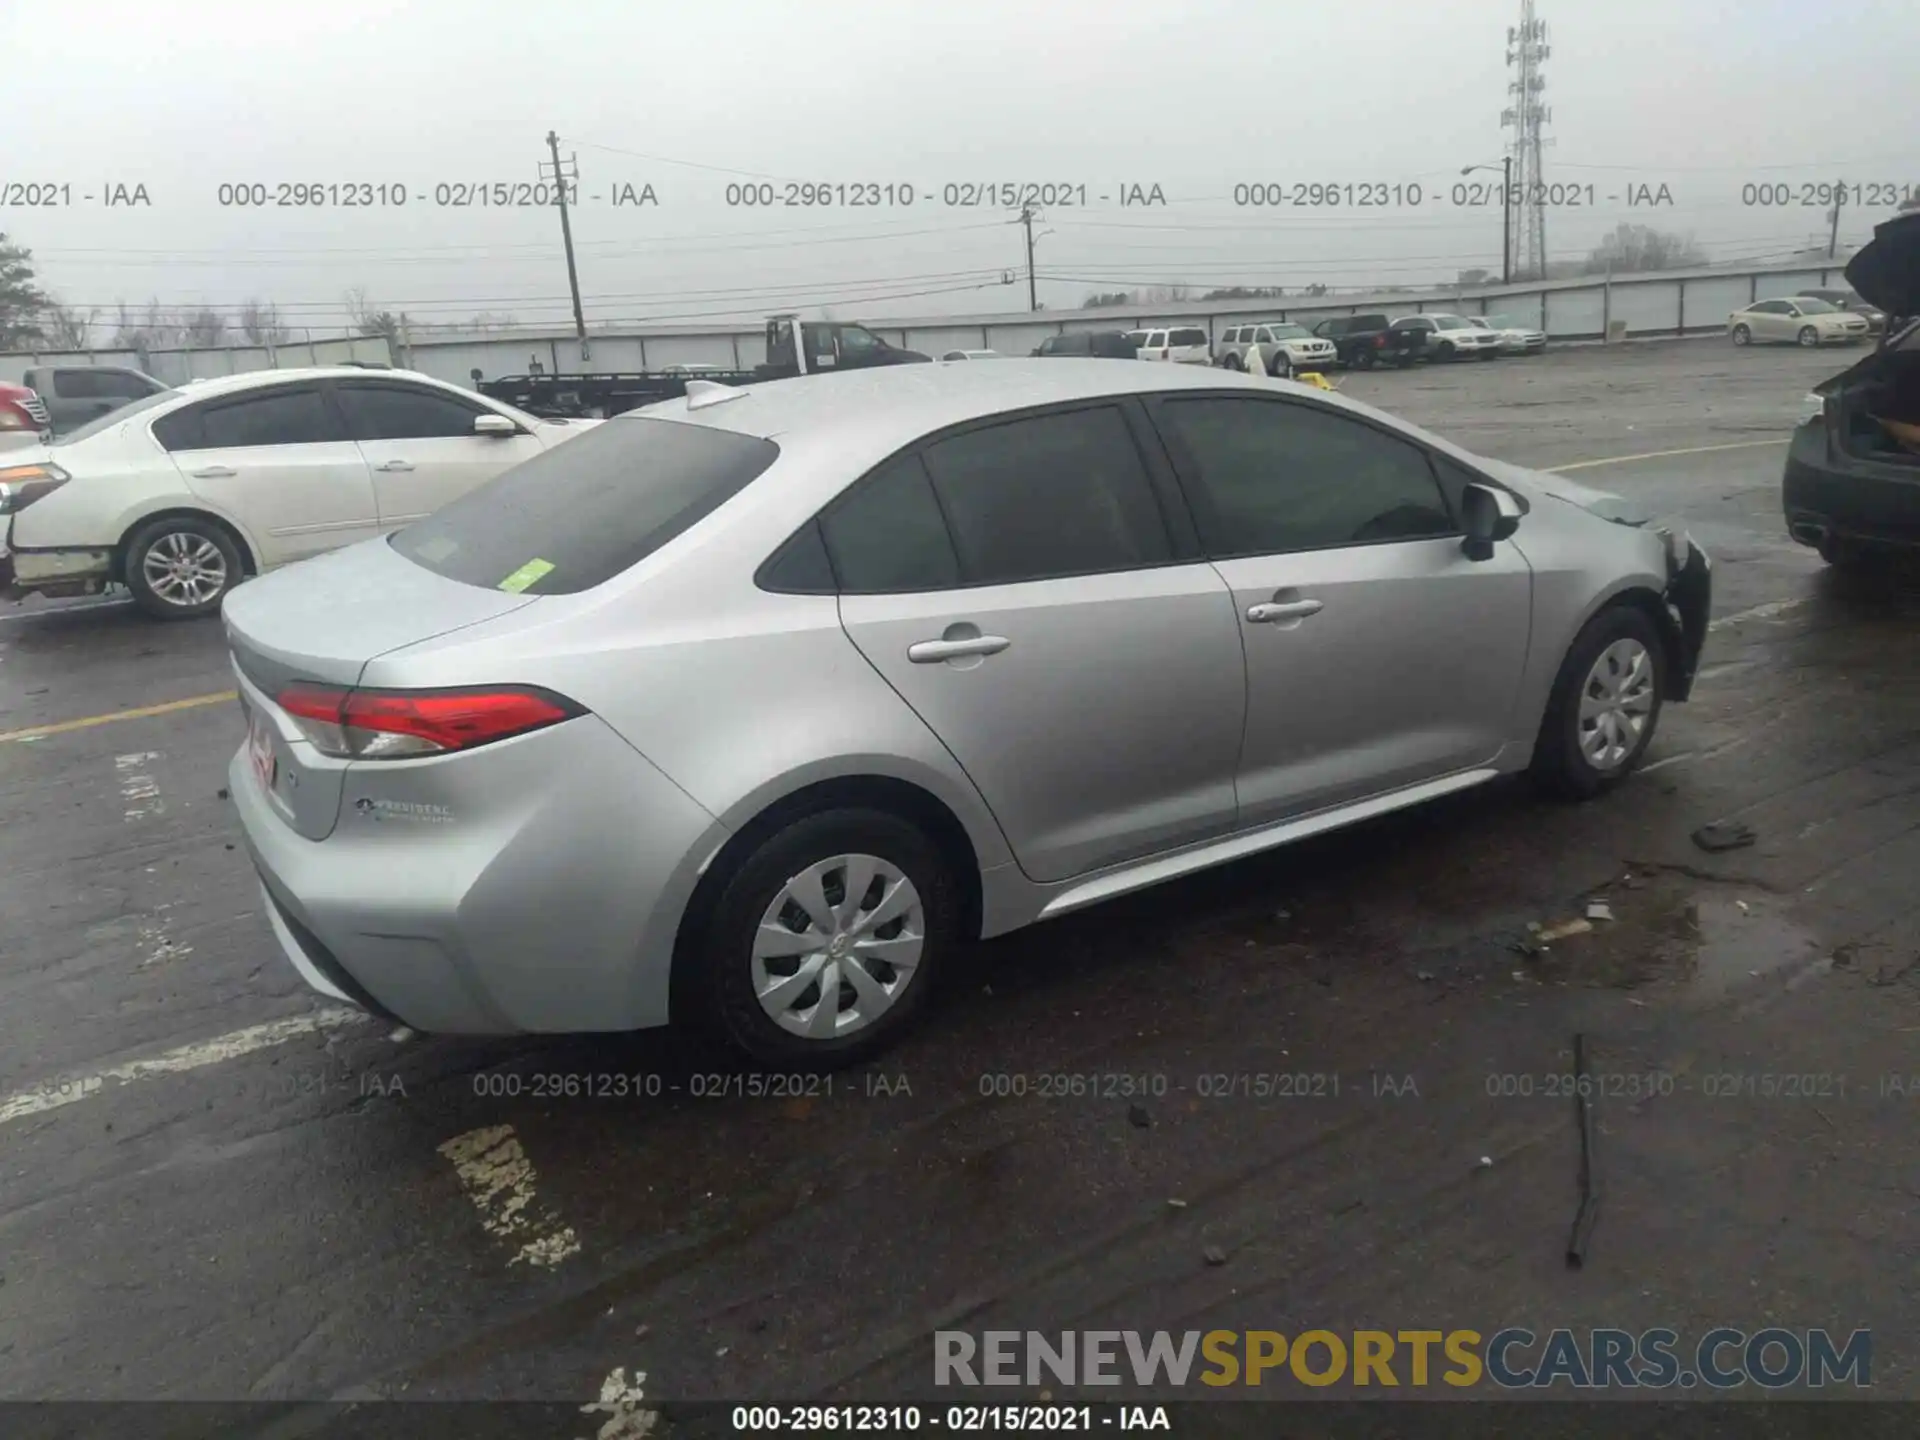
(177, 366)
(1686, 302)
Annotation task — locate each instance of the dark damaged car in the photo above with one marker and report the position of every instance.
(1852, 483)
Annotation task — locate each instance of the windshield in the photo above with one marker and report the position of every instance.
(1291, 332)
(1809, 306)
(1450, 322)
(114, 417)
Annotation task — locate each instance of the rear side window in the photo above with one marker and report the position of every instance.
(1048, 496)
(888, 536)
(98, 385)
(1188, 337)
(274, 417)
(575, 516)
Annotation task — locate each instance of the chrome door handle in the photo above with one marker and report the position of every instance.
(1289, 610)
(393, 466)
(215, 472)
(931, 652)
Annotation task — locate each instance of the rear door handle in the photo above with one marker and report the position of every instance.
(393, 466)
(932, 652)
(215, 472)
(1267, 613)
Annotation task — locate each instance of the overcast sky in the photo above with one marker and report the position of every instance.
(1701, 96)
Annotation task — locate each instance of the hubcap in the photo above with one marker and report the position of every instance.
(1615, 704)
(838, 946)
(184, 569)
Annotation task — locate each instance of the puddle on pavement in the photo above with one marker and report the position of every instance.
(1701, 941)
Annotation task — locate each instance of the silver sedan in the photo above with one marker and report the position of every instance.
(750, 707)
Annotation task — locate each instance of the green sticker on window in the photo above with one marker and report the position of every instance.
(526, 575)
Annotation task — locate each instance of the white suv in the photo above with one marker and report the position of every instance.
(1181, 344)
(1284, 348)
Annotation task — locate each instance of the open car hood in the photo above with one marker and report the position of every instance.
(1886, 272)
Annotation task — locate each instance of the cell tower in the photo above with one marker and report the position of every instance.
(1526, 48)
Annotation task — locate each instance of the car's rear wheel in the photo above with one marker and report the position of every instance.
(1742, 335)
(1363, 359)
(180, 567)
(825, 943)
(1281, 366)
(1808, 336)
(1604, 707)
(1234, 362)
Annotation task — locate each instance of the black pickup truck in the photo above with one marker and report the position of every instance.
(1364, 341)
(824, 346)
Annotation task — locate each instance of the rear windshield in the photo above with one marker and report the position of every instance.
(579, 514)
(1188, 337)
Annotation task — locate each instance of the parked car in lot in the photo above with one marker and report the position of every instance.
(1851, 488)
(182, 494)
(1847, 300)
(1285, 348)
(1040, 634)
(1362, 341)
(1801, 320)
(1451, 337)
(1516, 337)
(77, 394)
(1181, 345)
(23, 418)
(1095, 344)
(971, 355)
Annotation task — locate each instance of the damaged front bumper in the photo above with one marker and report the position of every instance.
(1689, 598)
(54, 573)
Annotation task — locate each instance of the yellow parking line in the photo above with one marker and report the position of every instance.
(1663, 454)
(87, 722)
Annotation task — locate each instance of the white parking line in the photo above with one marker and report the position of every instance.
(52, 1094)
(140, 790)
(1664, 454)
(499, 1180)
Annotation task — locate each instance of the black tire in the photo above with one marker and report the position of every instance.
(1489, 354)
(1809, 337)
(1445, 351)
(724, 949)
(197, 555)
(1363, 359)
(1281, 366)
(1234, 362)
(1742, 335)
(1560, 766)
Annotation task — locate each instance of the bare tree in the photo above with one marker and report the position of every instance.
(369, 321)
(1641, 247)
(203, 329)
(156, 330)
(1106, 298)
(67, 327)
(260, 323)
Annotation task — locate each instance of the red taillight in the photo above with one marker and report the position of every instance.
(401, 724)
(1379, 342)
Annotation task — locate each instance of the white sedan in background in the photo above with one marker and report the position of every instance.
(183, 494)
(1801, 319)
(1516, 338)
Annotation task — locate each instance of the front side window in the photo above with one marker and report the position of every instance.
(1277, 477)
(404, 412)
(1048, 496)
(856, 341)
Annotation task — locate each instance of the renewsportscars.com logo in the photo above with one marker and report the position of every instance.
(1514, 1358)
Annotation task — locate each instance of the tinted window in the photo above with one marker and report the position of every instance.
(1769, 307)
(800, 567)
(1052, 495)
(1279, 477)
(1136, 338)
(1188, 337)
(99, 385)
(1406, 325)
(856, 341)
(887, 534)
(403, 412)
(580, 513)
(124, 413)
(277, 417)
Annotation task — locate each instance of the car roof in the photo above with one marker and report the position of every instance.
(254, 379)
(879, 410)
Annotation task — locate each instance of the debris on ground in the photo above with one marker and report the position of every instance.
(1745, 909)
(1559, 930)
(1138, 1116)
(1724, 835)
(1214, 1255)
(1486, 1163)
(1173, 1204)
(1599, 910)
(1423, 975)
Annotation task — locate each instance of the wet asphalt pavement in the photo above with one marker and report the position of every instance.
(212, 1186)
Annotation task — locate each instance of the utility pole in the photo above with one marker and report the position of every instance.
(560, 179)
(1833, 233)
(1506, 222)
(1033, 297)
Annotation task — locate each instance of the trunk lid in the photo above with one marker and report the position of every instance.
(1886, 271)
(325, 620)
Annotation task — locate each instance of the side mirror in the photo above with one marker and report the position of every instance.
(1490, 514)
(497, 425)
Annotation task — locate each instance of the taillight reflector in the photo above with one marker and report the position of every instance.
(400, 724)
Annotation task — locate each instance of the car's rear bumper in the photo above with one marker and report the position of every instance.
(1826, 496)
(546, 900)
(54, 573)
